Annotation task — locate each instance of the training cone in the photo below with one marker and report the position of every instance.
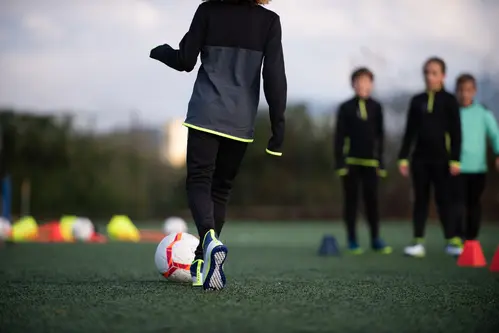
(472, 255)
(48, 226)
(66, 224)
(55, 235)
(494, 267)
(47, 232)
(121, 228)
(329, 246)
(25, 229)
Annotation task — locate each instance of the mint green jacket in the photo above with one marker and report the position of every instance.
(477, 123)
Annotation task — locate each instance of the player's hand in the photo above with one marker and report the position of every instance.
(455, 170)
(497, 163)
(381, 173)
(342, 172)
(404, 170)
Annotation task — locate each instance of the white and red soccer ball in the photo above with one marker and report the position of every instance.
(173, 225)
(174, 256)
(5, 229)
(82, 229)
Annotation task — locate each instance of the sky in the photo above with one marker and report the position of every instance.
(91, 57)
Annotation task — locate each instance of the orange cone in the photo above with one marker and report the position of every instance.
(55, 234)
(494, 267)
(46, 231)
(48, 225)
(472, 255)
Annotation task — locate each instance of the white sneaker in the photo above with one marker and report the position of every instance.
(417, 251)
(453, 250)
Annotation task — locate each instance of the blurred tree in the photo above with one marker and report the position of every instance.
(73, 172)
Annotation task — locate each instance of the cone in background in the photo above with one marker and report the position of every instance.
(472, 255)
(45, 231)
(66, 224)
(48, 226)
(117, 223)
(494, 267)
(25, 229)
(121, 228)
(329, 246)
(130, 234)
(55, 235)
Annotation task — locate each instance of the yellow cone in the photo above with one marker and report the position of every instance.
(66, 225)
(128, 234)
(121, 228)
(25, 229)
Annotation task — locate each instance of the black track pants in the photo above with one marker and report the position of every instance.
(212, 164)
(467, 191)
(367, 179)
(426, 175)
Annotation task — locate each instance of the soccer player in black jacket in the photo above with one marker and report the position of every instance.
(358, 151)
(432, 141)
(235, 39)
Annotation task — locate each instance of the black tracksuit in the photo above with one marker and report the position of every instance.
(467, 189)
(358, 150)
(237, 42)
(433, 141)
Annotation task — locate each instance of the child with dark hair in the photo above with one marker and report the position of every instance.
(358, 150)
(432, 141)
(477, 123)
(235, 39)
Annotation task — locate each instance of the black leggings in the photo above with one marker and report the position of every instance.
(426, 175)
(212, 164)
(467, 191)
(367, 178)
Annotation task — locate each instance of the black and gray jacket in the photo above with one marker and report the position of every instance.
(235, 40)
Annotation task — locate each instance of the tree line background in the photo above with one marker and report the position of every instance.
(82, 172)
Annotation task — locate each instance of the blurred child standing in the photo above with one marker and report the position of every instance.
(477, 123)
(358, 146)
(432, 141)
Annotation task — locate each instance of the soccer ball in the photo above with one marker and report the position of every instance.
(174, 256)
(82, 229)
(5, 229)
(174, 225)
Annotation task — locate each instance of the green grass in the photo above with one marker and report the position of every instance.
(276, 283)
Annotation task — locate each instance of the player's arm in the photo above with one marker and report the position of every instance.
(493, 134)
(492, 131)
(340, 134)
(275, 86)
(185, 58)
(409, 135)
(455, 132)
(380, 142)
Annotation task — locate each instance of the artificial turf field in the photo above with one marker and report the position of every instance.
(276, 283)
